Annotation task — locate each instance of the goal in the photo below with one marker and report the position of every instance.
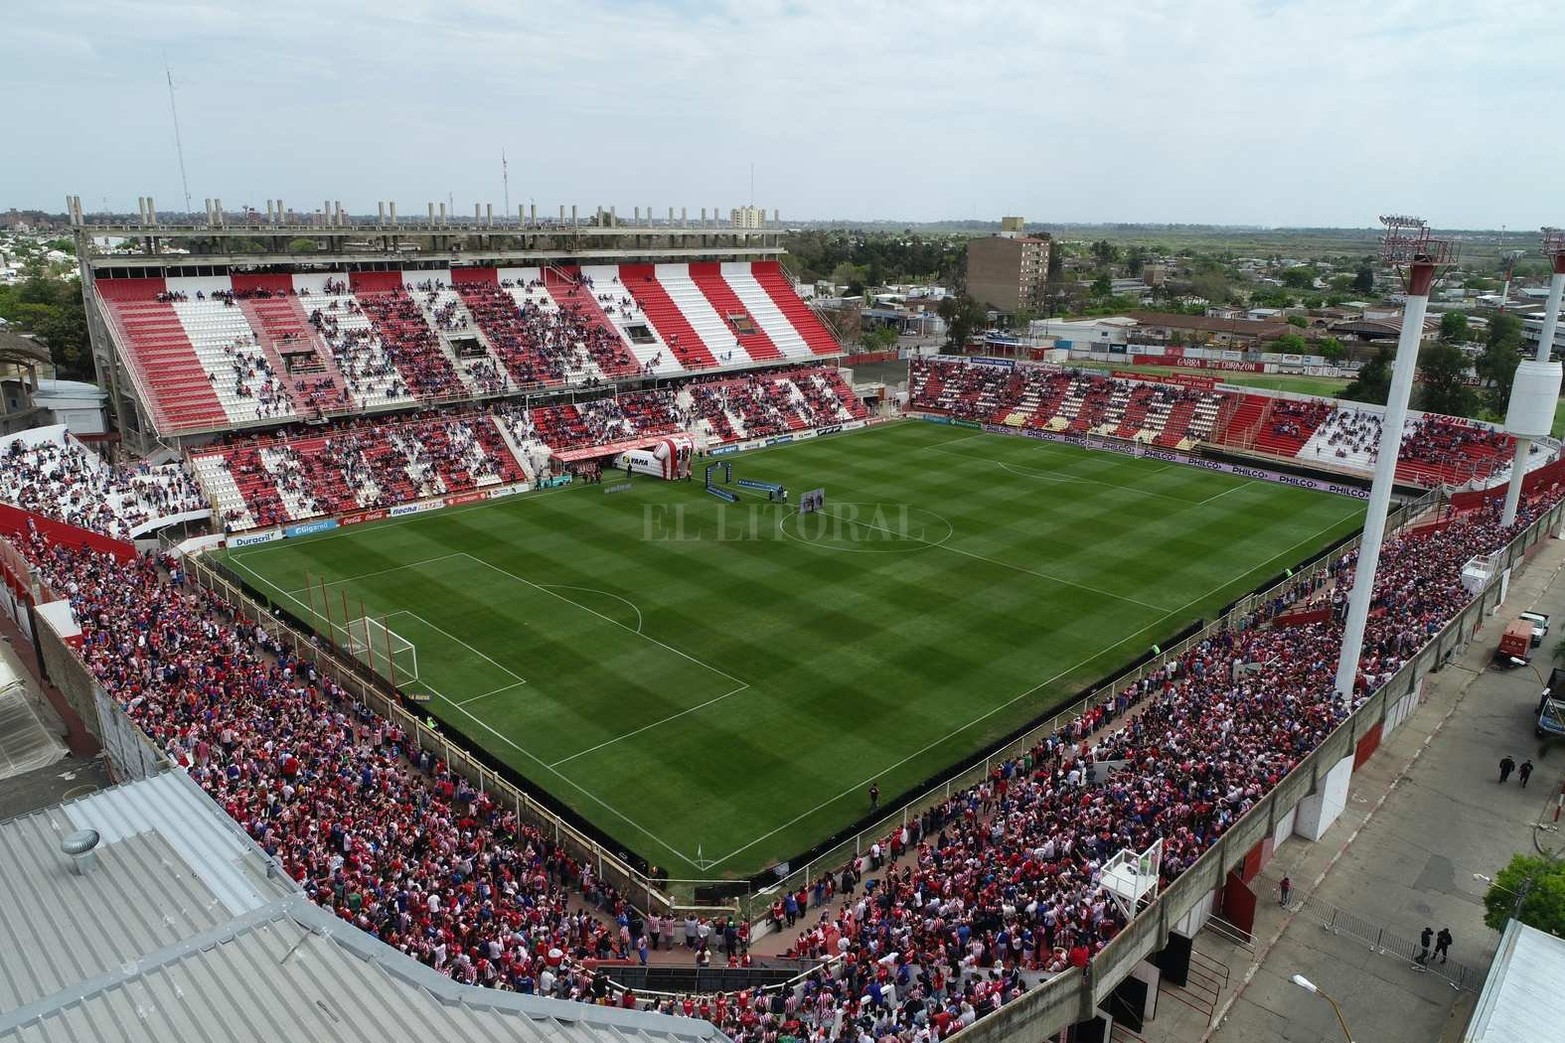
(383, 650)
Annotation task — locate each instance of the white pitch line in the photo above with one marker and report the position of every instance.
(1225, 492)
(649, 727)
(605, 593)
(499, 666)
(371, 575)
(1001, 564)
(950, 441)
(945, 738)
(497, 691)
(655, 838)
(670, 648)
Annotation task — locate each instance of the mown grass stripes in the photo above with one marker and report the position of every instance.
(716, 686)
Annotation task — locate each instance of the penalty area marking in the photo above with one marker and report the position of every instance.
(512, 674)
(344, 580)
(495, 691)
(613, 622)
(595, 590)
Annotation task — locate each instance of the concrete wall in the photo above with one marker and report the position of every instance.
(1051, 1007)
(1317, 812)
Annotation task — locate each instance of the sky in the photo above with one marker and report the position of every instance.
(1261, 112)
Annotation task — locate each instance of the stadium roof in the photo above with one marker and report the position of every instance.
(179, 933)
(1520, 998)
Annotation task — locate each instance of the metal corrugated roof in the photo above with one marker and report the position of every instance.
(58, 928)
(296, 972)
(213, 846)
(179, 934)
(1520, 998)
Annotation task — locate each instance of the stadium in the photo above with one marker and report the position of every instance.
(527, 592)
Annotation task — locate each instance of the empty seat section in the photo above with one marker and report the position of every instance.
(739, 322)
(759, 304)
(159, 353)
(672, 326)
(769, 275)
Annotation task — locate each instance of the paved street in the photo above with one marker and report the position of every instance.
(1423, 815)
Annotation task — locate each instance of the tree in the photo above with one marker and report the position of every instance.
(881, 338)
(1453, 327)
(1496, 366)
(1300, 278)
(1530, 888)
(964, 316)
(1364, 281)
(1373, 383)
(1442, 372)
(1331, 349)
(1102, 287)
(1299, 321)
(302, 245)
(49, 306)
(1290, 344)
(1105, 252)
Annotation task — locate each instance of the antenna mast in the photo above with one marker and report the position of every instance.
(179, 146)
(505, 179)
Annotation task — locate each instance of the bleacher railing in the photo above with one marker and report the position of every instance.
(1072, 997)
(1244, 613)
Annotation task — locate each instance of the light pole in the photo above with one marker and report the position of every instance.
(1309, 986)
(1407, 244)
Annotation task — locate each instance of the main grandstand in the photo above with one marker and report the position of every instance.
(447, 365)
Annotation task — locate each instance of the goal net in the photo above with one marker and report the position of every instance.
(383, 650)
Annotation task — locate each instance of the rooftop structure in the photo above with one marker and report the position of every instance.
(169, 920)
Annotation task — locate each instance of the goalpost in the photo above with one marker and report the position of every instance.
(383, 650)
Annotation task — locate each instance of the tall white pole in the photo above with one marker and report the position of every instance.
(1420, 277)
(1551, 318)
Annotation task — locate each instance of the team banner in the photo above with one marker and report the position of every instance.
(1227, 365)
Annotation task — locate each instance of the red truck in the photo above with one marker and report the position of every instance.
(1515, 644)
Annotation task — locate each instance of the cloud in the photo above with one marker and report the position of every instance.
(1319, 112)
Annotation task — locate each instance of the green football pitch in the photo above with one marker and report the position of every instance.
(716, 685)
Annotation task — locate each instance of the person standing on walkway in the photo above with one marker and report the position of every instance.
(1506, 767)
(1443, 943)
(1524, 772)
(1285, 889)
(1423, 944)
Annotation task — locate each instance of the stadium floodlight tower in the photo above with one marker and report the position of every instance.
(1408, 247)
(1536, 390)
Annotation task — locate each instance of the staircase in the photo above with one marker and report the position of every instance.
(769, 275)
(280, 323)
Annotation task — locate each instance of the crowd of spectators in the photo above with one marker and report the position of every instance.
(1060, 400)
(1003, 879)
(65, 480)
(1434, 448)
(366, 367)
(381, 832)
(254, 378)
(542, 345)
(367, 464)
(410, 344)
(942, 921)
